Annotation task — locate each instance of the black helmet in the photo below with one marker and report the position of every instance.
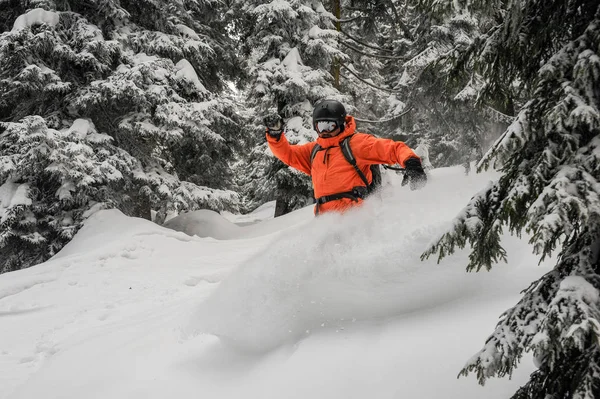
(329, 110)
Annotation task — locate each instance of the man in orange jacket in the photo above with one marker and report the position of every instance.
(337, 183)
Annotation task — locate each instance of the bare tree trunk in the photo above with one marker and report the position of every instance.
(281, 207)
(142, 207)
(336, 9)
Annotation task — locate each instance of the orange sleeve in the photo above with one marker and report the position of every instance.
(297, 156)
(380, 151)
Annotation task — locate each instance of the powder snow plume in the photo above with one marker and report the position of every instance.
(336, 271)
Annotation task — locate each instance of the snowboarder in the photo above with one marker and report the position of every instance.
(340, 160)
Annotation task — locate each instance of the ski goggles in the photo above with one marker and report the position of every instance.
(325, 126)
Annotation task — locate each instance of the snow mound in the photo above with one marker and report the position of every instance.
(98, 234)
(204, 223)
(263, 212)
(207, 223)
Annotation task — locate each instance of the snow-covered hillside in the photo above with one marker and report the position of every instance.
(293, 307)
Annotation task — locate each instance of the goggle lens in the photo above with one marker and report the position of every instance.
(326, 126)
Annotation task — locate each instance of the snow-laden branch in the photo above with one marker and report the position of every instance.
(393, 118)
(348, 20)
(388, 57)
(367, 82)
(363, 43)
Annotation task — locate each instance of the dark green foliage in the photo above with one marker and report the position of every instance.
(550, 188)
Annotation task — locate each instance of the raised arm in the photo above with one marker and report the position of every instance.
(297, 156)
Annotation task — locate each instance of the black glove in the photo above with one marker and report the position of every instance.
(274, 126)
(414, 175)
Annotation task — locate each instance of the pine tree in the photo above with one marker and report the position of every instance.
(365, 31)
(445, 113)
(550, 188)
(290, 47)
(407, 52)
(145, 74)
(51, 179)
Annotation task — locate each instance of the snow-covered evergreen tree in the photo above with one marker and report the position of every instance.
(147, 75)
(550, 159)
(50, 180)
(401, 73)
(290, 47)
(365, 28)
(442, 98)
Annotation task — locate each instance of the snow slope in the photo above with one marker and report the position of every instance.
(332, 307)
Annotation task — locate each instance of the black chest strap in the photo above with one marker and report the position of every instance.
(356, 194)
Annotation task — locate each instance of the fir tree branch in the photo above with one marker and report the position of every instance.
(389, 57)
(358, 9)
(366, 82)
(438, 113)
(363, 43)
(499, 116)
(345, 21)
(385, 120)
(403, 26)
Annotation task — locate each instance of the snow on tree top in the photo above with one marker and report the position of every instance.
(36, 16)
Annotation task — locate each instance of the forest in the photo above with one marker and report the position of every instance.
(156, 107)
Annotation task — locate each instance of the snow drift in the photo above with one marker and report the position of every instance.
(332, 307)
(340, 270)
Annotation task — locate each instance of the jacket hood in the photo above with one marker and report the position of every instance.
(334, 141)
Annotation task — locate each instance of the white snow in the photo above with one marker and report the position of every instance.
(207, 223)
(187, 31)
(576, 284)
(292, 60)
(187, 73)
(423, 152)
(142, 58)
(290, 307)
(317, 33)
(263, 212)
(36, 16)
(11, 195)
(80, 128)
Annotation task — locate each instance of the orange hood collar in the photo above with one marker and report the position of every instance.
(335, 141)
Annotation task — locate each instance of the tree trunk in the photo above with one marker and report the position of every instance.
(281, 207)
(336, 9)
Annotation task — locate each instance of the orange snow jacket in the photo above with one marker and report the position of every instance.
(331, 173)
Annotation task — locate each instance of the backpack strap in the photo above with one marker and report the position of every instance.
(314, 151)
(357, 192)
(347, 151)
